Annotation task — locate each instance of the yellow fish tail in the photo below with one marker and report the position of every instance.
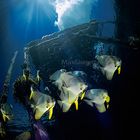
(50, 113)
(119, 69)
(76, 104)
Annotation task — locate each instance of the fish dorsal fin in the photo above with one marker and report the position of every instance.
(51, 112)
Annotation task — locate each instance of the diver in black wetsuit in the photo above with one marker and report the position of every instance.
(22, 91)
(22, 87)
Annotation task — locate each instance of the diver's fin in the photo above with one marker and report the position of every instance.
(89, 102)
(101, 108)
(50, 112)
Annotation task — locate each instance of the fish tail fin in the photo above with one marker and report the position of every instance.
(119, 70)
(50, 112)
(76, 104)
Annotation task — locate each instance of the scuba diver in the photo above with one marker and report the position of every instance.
(22, 87)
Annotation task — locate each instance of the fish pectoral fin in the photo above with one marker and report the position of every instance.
(64, 105)
(83, 95)
(102, 70)
(50, 112)
(76, 104)
(60, 103)
(119, 70)
(89, 103)
(32, 106)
